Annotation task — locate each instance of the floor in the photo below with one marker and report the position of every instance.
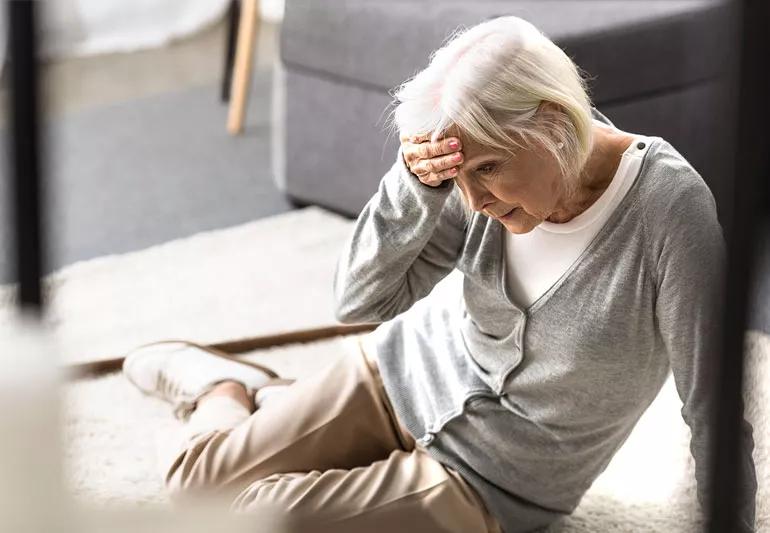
(137, 151)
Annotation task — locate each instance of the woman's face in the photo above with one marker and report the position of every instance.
(520, 191)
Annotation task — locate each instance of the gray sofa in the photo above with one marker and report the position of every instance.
(657, 67)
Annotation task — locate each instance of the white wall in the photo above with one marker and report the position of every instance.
(85, 27)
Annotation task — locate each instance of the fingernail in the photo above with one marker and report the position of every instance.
(454, 145)
(457, 157)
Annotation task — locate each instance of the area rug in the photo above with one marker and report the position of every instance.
(110, 431)
(268, 276)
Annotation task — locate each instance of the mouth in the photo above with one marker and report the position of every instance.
(507, 215)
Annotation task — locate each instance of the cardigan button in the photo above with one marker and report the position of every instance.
(426, 439)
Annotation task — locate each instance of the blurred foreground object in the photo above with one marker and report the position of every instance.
(31, 494)
(33, 497)
(23, 144)
(751, 165)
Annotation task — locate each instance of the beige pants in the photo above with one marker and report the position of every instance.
(328, 449)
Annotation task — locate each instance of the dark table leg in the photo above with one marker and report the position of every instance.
(233, 19)
(25, 154)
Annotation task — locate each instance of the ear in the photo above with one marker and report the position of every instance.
(547, 106)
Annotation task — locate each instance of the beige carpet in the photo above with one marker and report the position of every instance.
(268, 276)
(275, 275)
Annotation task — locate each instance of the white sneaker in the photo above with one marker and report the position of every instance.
(181, 371)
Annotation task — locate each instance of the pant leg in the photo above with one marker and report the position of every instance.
(405, 438)
(335, 419)
(409, 491)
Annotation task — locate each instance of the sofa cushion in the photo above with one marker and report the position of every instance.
(648, 46)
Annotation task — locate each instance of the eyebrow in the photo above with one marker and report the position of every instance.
(483, 160)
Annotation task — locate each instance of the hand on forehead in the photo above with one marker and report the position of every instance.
(467, 144)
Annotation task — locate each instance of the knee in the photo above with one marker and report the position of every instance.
(174, 480)
(282, 498)
(258, 493)
(274, 491)
(190, 473)
(178, 480)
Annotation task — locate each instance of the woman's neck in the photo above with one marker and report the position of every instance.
(597, 174)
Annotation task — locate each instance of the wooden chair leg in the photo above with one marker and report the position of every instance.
(244, 54)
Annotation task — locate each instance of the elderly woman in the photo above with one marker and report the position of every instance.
(591, 260)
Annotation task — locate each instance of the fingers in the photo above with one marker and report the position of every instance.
(431, 162)
(436, 179)
(437, 164)
(413, 152)
(422, 141)
(447, 174)
(415, 137)
(429, 150)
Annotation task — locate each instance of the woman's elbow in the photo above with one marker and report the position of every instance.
(347, 312)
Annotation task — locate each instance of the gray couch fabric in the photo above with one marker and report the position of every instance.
(380, 44)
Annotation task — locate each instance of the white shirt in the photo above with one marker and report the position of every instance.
(536, 260)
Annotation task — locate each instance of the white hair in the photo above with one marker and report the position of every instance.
(490, 81)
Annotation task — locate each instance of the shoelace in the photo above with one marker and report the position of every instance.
(182, 403)
(167, 387)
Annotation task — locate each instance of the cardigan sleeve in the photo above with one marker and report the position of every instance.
(690, 269)
(406, 239)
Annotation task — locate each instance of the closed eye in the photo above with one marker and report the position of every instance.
(485, 169)
(492, 168)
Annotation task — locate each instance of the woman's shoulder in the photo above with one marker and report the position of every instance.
(668, 172)
(676, 205)
(671, 190)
